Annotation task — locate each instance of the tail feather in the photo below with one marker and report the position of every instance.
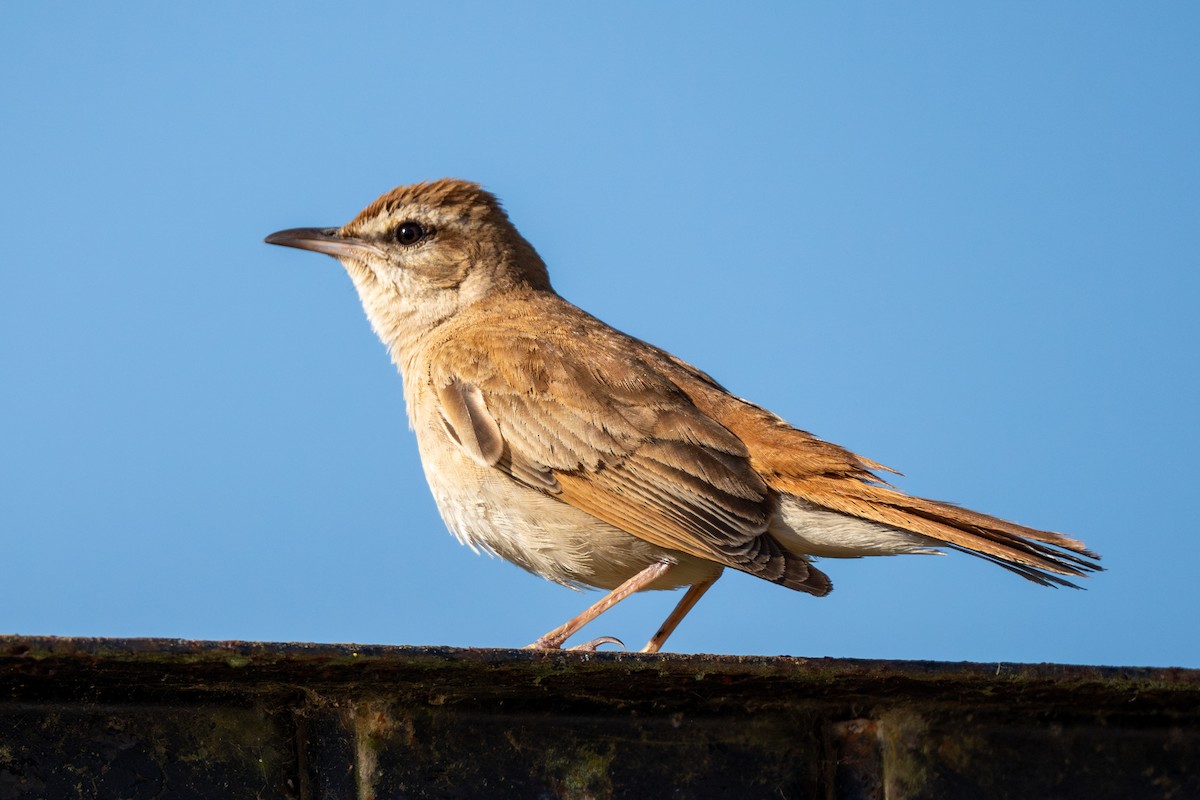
(1029, 552)
(1040, 577)
(794, 462)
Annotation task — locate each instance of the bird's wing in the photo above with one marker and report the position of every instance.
(589, 417)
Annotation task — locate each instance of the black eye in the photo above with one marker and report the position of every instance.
(410, 232)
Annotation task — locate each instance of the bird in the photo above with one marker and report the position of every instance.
(596, 460)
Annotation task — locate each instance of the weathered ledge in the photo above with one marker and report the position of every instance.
(145, 718)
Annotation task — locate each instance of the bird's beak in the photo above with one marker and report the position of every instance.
(323, 240)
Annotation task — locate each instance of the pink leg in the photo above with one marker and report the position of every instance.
(689, 599)
(555, 638)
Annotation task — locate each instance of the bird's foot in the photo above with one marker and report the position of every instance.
(586, 647)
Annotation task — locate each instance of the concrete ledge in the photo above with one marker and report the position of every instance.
(145, 718)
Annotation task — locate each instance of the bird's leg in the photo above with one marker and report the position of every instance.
(686, 603)
(555, 638)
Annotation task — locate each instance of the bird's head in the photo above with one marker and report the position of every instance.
(421, 253)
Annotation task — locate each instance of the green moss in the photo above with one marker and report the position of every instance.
(581, 773)
(903, 734)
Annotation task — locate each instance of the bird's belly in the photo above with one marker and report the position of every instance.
(489, 511)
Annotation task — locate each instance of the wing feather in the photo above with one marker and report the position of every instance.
(466, 415)
(614, 437)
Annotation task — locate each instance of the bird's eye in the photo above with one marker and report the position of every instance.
(410, 232)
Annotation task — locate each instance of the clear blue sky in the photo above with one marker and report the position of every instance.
(960, 239)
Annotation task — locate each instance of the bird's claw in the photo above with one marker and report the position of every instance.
(590, 647)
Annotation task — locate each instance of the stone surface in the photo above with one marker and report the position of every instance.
(95, 718)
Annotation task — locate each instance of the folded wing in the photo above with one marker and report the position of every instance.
(613, 436)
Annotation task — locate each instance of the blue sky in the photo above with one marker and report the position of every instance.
(960, 239)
